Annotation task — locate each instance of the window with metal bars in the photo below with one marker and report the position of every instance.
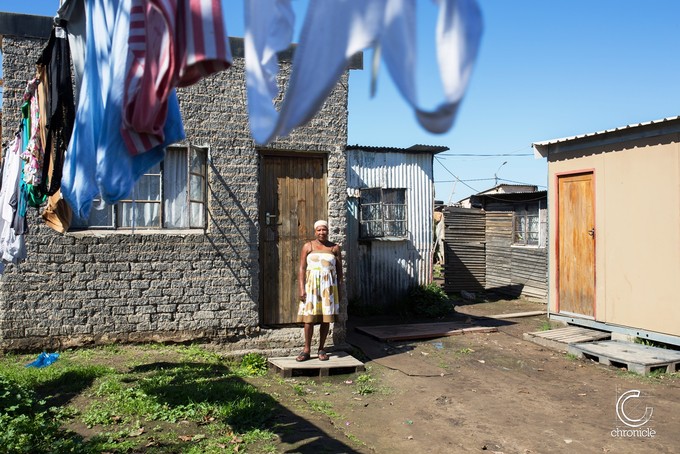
(171, 195)
(382, 213)
(526, 224)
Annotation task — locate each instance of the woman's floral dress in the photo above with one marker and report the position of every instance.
(321, 286)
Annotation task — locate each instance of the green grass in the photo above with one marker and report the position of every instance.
(655, 376)
(545, 326)
(425, 301)
(151, 399)
(438, 271)
(657, 344)
(365, 385)
(323, 407)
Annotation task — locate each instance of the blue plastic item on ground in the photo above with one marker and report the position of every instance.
(44, 360)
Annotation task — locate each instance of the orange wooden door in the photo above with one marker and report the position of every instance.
(293, 196)
(576, 245)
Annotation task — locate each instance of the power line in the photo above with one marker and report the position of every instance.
(453, 155)
(491, 179)
(511, 154)
(519, 182)
(469, 179)
(452, 174)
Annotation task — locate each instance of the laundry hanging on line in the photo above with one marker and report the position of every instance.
(121, 85)
(127, 107)
(332, 32)
(12, 241)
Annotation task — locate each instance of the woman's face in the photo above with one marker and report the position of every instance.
(321, 233)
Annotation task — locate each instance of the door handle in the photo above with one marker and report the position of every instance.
(591, 232)
(268, 218)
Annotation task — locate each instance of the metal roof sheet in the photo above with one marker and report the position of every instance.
(417, 148)
(606, 131)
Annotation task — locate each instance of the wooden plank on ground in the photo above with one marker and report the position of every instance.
(338, 363)
(516, 315)
(423, 330)
(561, 338)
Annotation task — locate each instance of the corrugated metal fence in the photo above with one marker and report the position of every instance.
(464, 250)
(479, 255)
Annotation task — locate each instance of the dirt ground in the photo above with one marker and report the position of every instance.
(493, 392)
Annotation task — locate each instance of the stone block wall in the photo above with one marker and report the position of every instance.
(95, 287)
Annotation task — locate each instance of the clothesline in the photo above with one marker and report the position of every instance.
(127, 71)
(138, 75)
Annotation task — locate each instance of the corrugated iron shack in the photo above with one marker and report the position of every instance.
(499, 244)
(390, 221)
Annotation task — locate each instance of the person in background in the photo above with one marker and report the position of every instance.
(319, 278)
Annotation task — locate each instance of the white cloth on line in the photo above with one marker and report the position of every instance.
(332, 32)
(12, 246)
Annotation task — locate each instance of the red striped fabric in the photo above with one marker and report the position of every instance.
(172, 43)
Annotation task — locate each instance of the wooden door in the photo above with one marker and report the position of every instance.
(576, 245)
(293, 194)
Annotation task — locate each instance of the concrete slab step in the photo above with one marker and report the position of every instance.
(641, 359)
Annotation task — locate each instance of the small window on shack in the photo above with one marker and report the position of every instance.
(171, 195)
(526, 225)
(382, 213)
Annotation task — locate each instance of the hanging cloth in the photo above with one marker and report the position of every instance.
(97, 161)
(56, 87)
(33, 151)
(71, 16)
(12, 244)
(172, 43)
(332, 32)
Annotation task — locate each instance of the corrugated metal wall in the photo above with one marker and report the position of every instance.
(464, 250)
(379, 272)
(479, 254)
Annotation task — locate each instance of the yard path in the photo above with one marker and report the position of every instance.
(500, 393)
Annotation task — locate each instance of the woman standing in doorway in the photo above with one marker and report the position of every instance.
(319, 278)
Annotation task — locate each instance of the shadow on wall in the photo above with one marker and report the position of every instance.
(220, 235)
(384, 280)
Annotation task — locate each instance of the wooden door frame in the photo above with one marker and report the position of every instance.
(262, 156)
(572, 173)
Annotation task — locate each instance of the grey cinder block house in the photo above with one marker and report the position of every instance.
(228, 276)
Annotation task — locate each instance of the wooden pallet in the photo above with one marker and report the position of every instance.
(637, 358)
(338, 363)
(560, 338)
(422, 330)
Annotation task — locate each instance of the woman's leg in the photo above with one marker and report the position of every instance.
(309, 334)
(323, 334)
(324, 327)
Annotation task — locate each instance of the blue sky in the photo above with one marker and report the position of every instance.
(546, 69)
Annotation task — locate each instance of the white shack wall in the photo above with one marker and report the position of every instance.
(381, 271)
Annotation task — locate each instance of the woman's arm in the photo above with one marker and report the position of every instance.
(338, 262)
(302, 270)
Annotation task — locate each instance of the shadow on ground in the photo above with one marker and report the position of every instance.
(193, 384)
